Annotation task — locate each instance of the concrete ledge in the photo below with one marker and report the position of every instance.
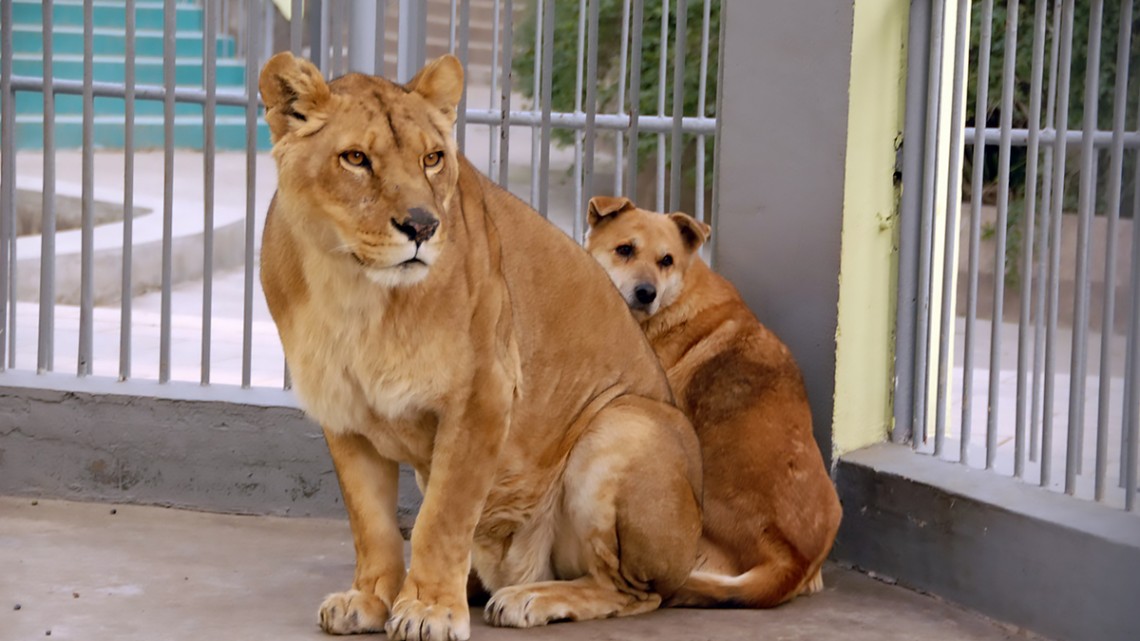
(208, 448)
(1062, 567)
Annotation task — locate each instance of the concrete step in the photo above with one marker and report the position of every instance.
(148, 15)
(113, 41)
(109, 132)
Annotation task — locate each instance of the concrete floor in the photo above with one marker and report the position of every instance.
(99, 572)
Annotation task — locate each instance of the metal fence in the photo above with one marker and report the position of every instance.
(168, 292)
(1019, 280)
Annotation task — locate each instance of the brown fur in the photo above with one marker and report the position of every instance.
(424, 317)
(770, 510)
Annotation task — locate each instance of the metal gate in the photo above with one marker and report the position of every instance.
(1019, 277)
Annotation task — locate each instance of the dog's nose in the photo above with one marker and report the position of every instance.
(645, 293)
(419, 226)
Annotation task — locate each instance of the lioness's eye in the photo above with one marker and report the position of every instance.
(433, 159)
(624, 250)
(356, 158)
(666, 260)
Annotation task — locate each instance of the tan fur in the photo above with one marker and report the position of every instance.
(770, 510)
(539, 423)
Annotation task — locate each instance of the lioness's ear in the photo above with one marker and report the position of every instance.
(602, 207)
(294, 94)
(693, 232)
(440, 82)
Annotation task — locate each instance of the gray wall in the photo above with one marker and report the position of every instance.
(786, 72)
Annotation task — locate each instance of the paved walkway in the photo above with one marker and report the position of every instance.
(98, 572)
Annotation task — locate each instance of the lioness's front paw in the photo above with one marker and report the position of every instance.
(415, 620)
(352, 612)
(519, 607)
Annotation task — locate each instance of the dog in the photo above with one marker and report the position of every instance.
(770, 510)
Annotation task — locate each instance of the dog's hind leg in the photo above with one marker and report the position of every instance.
(628, 522)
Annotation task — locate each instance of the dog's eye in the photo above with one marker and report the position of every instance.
(433, 159)
(624, 250)
(356, 158)
(666, 260)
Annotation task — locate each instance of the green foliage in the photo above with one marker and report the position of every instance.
(566, 56)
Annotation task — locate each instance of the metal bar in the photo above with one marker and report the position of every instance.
(493, 130)
(116, 90)
(634, 121)
(918, 39)
(1028, 234)
(336, 38)
(547, 88)
(1042, 247)
(505, 101)
(623, 65)
(296, 21)
(451, 29)
(1020, 137)
(953, 210)
(209, 112)
(591, 115)
(612, 122)
(315, 11)
(464, 43)
(1131, 363)
(7, 170)
(579, 69)
(535, 133)
(1008, 71)
(714, 211)
(378, 61)
(87, 203)
(1085, 206)
(251, 66)
(127, 287)
(168, 59)
(45, 358)
(980, 111)
(662, 69)
(678, 140)
(410, 47)
(702, 90)
(1058, 191)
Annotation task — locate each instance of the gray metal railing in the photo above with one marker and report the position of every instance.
(222, 337)
(1040, 264)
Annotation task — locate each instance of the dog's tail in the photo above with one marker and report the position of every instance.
(764, 586)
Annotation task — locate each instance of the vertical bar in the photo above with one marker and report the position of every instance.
(702, 90)
(918, 39)
(1058, 195)
(953, 209)
(378, 62)
(7, 168)
(1028, 231)
(591, 113)
(662, 69)
(579, 70)
(678, 140)
(547, 89)
(505, 101)
(45, 360)
(535, 132)
(1085, 206)
(209, 113)
(493, 129)
(980, 109)
(926, 221)
(315, 12)
(714, 211)
(451, 28)
(87, 204)
(623, 64)
(336, 38)
(1131, 363)
(168, 54)
(464, 43)
(411, 41)
(1040, 295)
(251, 67)
(127, 286)
(296, 20)
(634, 98)
(1008, 71)
(1115, 173)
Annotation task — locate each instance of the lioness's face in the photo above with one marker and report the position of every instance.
(646, 254)
(373, 164)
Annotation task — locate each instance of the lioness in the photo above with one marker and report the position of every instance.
(429, 316)
(770, 510)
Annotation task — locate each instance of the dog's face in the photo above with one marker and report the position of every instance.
(645, 253)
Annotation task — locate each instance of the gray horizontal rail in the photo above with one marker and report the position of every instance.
(116, 90)
(1020, 137)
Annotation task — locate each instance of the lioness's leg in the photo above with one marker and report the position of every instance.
(629, 524)
(368, 482)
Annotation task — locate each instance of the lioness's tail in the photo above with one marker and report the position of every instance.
(764, 586)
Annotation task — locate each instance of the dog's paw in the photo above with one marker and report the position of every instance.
(352, 612)
(416, 620)
(521, 607)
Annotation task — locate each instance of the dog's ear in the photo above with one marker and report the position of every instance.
(295, 95)
(603, 207)
(440, 82)
(694, 233)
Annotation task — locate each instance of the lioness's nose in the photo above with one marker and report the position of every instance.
(645, 293)
(419, 226)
